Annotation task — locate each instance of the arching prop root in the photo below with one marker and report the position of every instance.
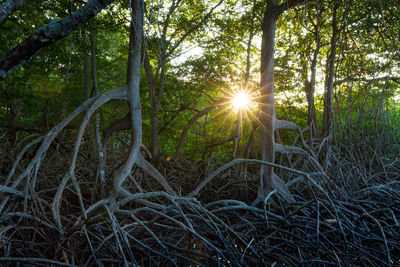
(269, 180)
(29, 174)
(279, 185)
(178, 231)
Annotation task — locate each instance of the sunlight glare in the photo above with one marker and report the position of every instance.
(241, 100)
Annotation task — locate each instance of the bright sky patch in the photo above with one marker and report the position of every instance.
(241, 100)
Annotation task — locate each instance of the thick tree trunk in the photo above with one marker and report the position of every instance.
(330, 75)
(49, 34)
(267, 95)
(268, 180)
(133, 84)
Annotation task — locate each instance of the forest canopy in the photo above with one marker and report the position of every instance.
(184, 132)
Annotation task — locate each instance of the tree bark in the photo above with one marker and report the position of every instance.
(267, 95)
(268, 180)
(96, 118)
(133, 84)
(86, 83)
(49, 34)
(310, 89)
(9, 7)
(330, 75)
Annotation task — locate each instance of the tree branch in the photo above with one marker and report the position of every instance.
(9, 7)
(193, 29)
(368, 80)
(193, 120)
(49, 34)
(287, 5)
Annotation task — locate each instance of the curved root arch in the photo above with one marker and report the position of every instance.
(30, 172)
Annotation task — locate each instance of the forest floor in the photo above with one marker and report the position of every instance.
(352, 220)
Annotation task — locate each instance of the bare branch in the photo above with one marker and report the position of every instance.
(288, 5)
(194, 28)
(193, 120)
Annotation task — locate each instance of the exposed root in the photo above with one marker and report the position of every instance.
(30, 172)
(164, 229)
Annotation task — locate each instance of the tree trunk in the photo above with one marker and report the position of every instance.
(312, 117)
(156, 103)
(330, 75)
(157, 81)
(267, 96)
(268, 180)
(133, 84)
(96, 118)
(86, 83)
(154, 144)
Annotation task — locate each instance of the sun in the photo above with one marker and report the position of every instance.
(241, 100)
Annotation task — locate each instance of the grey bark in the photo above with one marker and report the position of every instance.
(133, 85)
(9, 7)
(267, 96)
(330, 75)
(49, 34)
(133, 97)
(268, 179)
(96, 118)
